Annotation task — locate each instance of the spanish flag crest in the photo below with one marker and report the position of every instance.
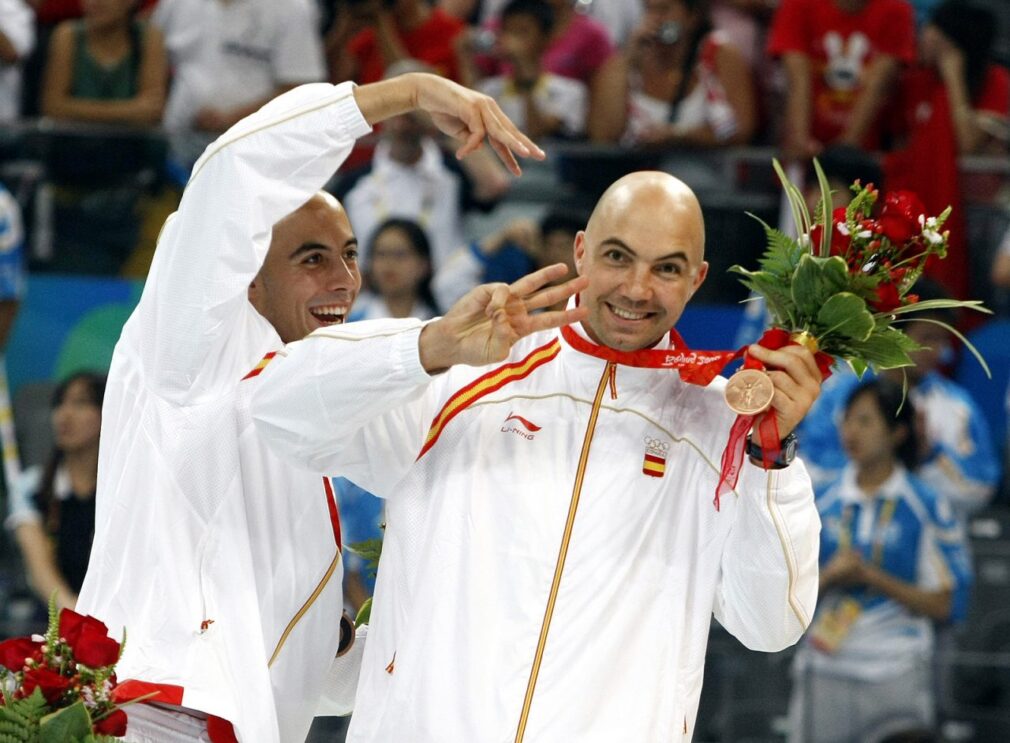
(654, 464)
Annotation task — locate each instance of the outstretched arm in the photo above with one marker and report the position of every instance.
(358, 399)
(260, 170)
(482, 327)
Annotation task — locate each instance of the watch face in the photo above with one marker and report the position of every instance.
(789, 448)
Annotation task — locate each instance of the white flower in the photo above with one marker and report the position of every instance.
(933, 236)
(843, 228)
(864, 234)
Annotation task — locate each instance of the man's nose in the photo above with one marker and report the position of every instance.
(343, 275)
(638, 285)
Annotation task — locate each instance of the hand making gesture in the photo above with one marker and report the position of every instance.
(483, 326)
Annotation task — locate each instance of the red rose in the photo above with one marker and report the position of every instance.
(899, 220)
(14, 651)
(72, 624)
(95, 649)
(887, 297)
(89, 639)
(52, 684)
(114, 724)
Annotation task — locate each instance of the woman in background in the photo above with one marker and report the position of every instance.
(52, 510)
(893, 562)
(106, 67)
(398, 274)
(688, 85)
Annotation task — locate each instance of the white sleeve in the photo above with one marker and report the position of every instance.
(194, 307)
(20, 508)
(298, 50)
(352, 399)
(769, 573)
(570, 106)
(341, 682)
(17, 23)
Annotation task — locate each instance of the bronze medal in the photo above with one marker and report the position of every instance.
(749, 392)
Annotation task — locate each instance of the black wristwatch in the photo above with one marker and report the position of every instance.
(787, 452)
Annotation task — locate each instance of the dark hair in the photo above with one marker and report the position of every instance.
(896, 410)
(538, 10)
(973, 29)
(848, 164)
(704, 27)
(418, 240)
(567, 220)
(45, 499)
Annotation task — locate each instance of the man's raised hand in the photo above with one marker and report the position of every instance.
(459, 112)
(482, 327)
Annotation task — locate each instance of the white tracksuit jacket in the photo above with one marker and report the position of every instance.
(494, 475)
(219, 559)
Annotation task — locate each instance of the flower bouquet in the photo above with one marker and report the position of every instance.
(842, 288)
(61, 686)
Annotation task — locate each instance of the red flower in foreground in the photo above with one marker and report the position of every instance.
(899, 220)
(114, 724)
(52, 684)
(89, 639)
(887, 297)
(95, 650)
(13, 652)
(72, 624)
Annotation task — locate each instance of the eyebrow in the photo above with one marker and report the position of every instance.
(310, 246)
(617, 242)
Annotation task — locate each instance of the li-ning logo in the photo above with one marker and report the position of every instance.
(654, 463)
(517, 427)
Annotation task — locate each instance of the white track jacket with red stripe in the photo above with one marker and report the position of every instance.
(552, 556)
(221, 560)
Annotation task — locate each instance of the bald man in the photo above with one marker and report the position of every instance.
(220, 560)
(552, 555)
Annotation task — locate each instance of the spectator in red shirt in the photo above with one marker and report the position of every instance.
(841, 58)
(368, 36)
(580, 48)
(957, 77)
(951, 105)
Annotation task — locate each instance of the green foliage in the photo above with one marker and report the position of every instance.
(19, 720)
(845, 314)
(67, 725)
(369, 550)
(364, 613)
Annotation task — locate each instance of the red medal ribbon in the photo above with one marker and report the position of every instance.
(701, 367)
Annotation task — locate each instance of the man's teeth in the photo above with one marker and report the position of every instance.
(329, 314)
(625, 315)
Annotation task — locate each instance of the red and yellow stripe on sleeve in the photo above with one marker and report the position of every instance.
(260, 366)
(490, 382)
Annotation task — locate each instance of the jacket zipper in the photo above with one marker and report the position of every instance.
(605, 380)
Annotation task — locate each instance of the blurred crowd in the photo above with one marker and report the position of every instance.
(895, 92)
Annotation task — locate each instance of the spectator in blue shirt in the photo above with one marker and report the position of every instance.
(893, 562)
(12, 270)
(958, 457)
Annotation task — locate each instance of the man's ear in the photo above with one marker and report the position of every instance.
(580, 250)
(699, 278)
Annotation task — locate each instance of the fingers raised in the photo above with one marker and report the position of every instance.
(554, 294)
(537, 280)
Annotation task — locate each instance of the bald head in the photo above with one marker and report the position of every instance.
(643, 252)
(649, 194)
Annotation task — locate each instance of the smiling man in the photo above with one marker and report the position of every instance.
(556, 585)
(222, 561)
